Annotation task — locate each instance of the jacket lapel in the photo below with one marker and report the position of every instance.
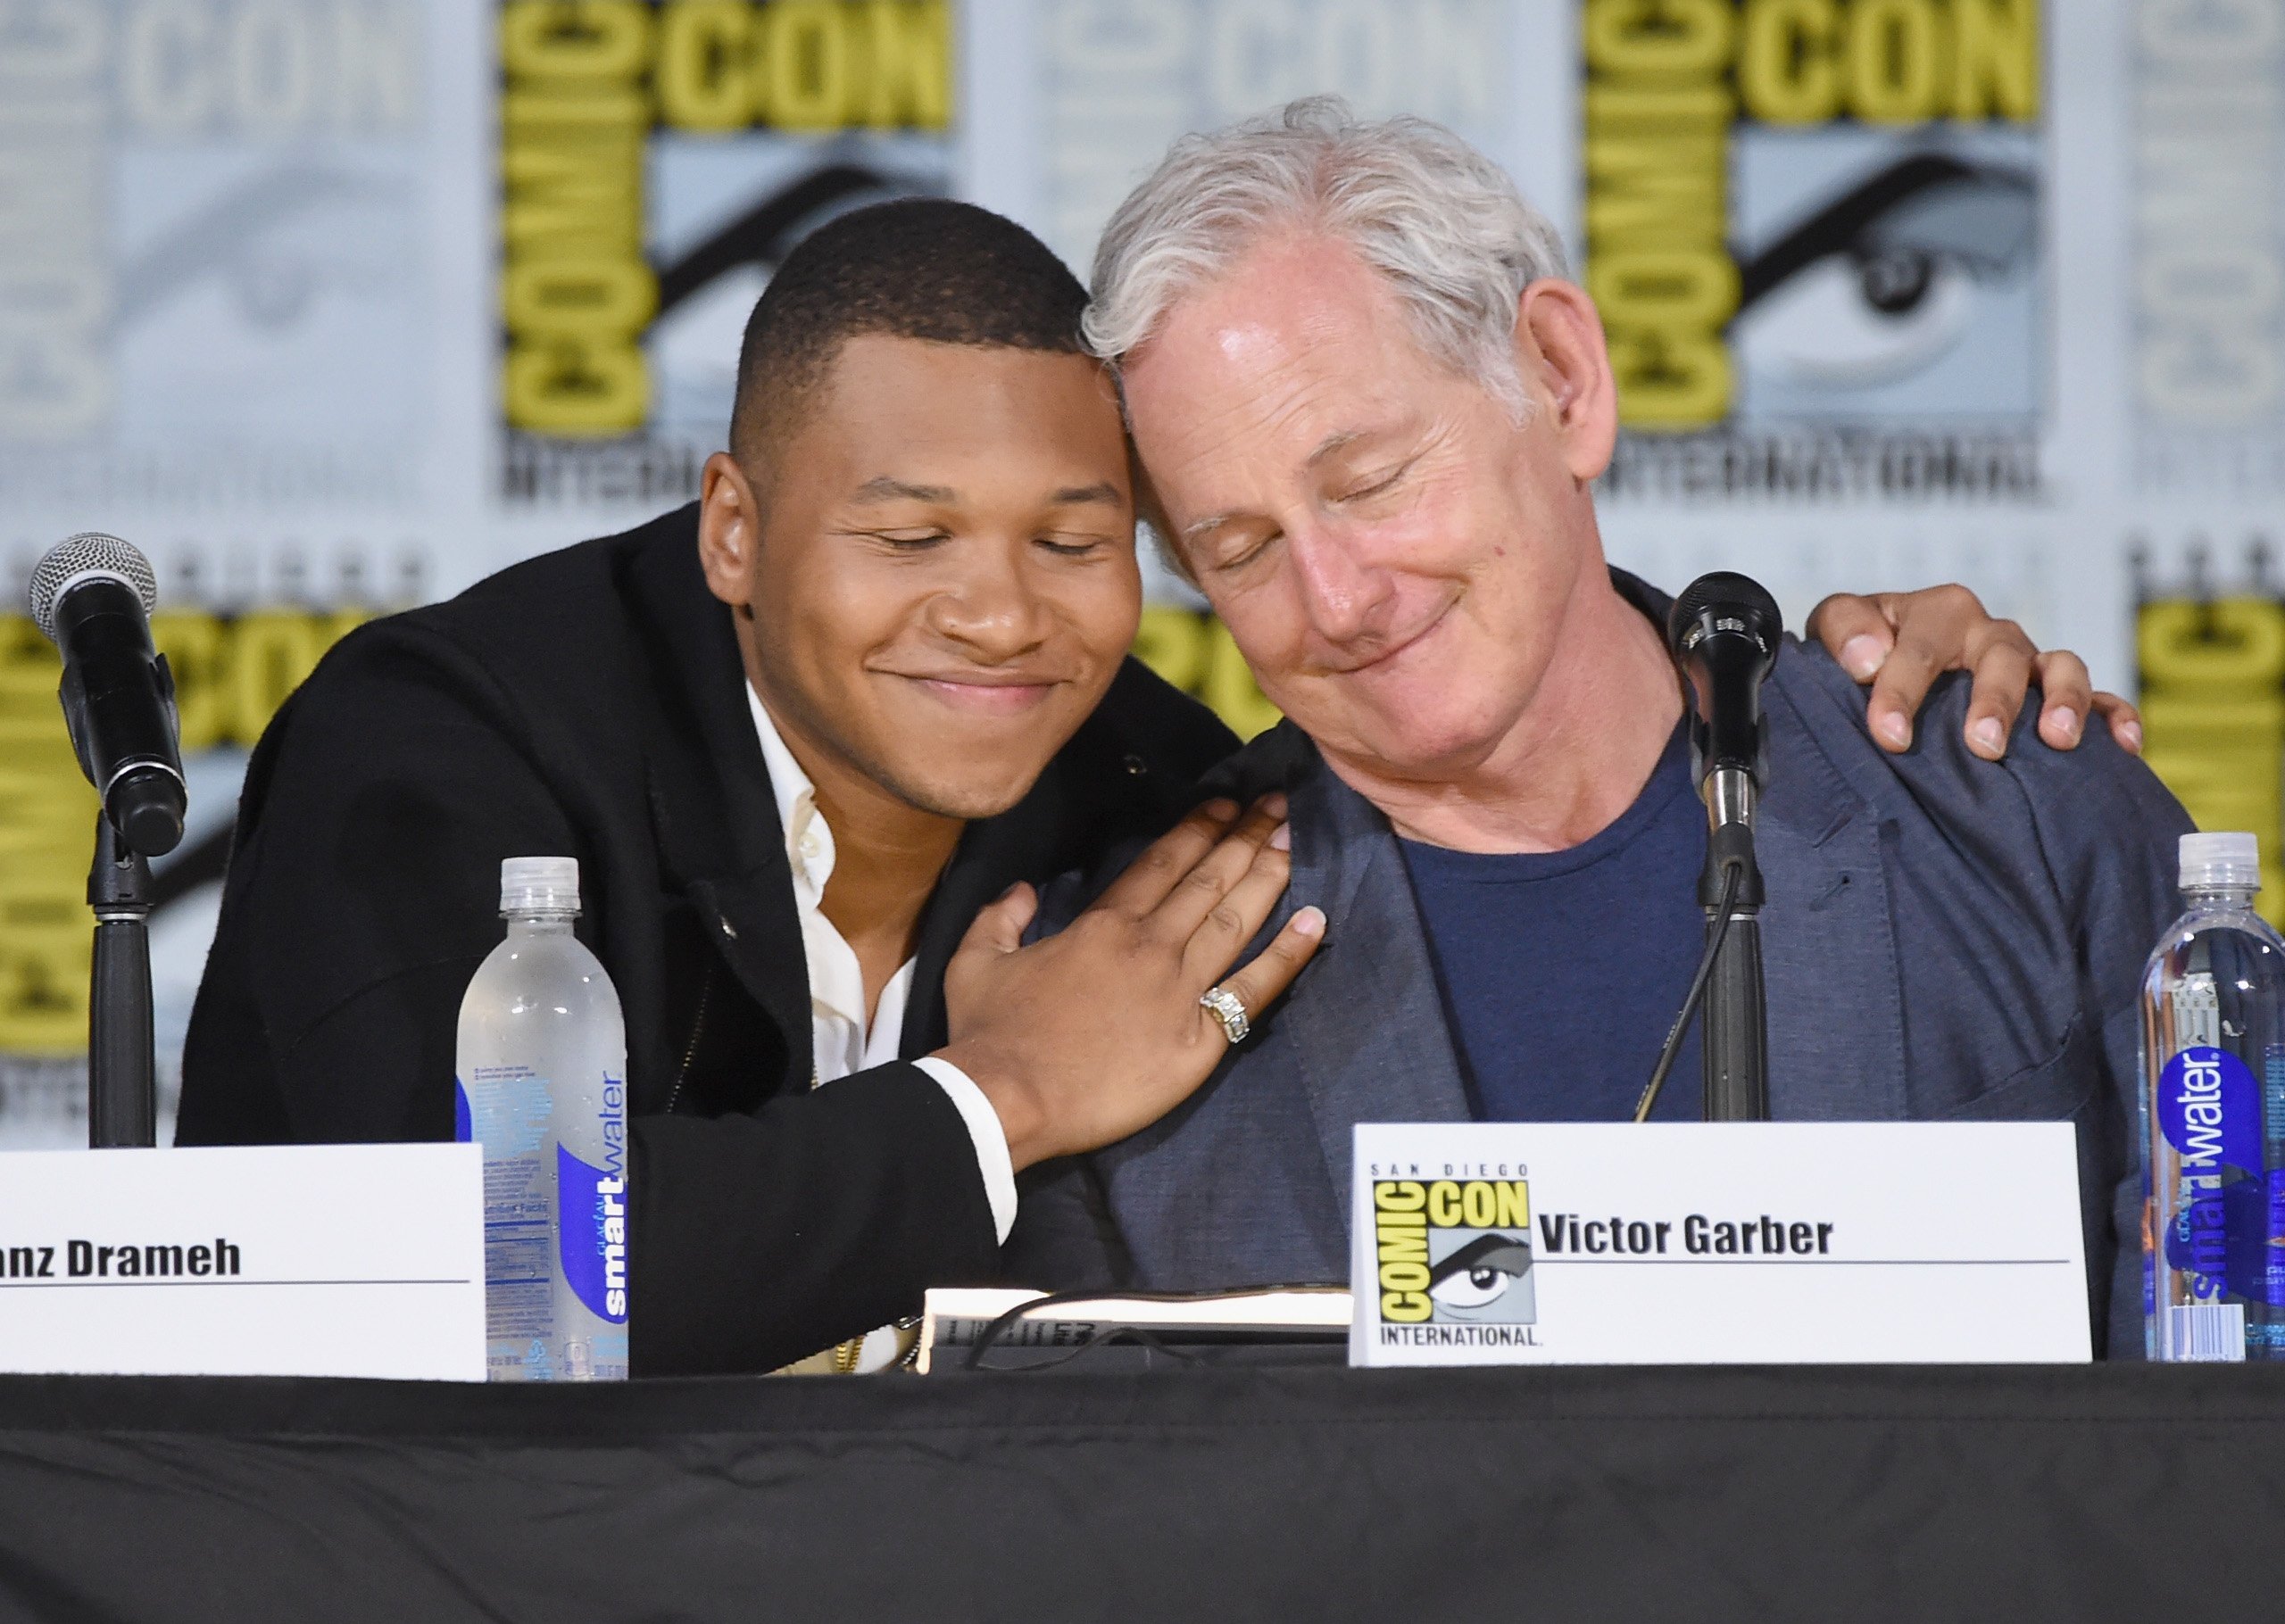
(991, 857)
(1829, 954)
(1828, 940)
(715, 816)
(1366, 1019)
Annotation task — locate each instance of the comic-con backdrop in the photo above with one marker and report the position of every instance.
(333, 306)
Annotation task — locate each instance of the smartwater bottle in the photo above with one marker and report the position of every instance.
(541, 1065)
(2213, 1117)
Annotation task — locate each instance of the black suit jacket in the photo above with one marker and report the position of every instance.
(591, 703)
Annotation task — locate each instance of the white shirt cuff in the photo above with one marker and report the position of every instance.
(992, 1159)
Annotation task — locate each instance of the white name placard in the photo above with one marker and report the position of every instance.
(1717, 1243)
(304, 1260)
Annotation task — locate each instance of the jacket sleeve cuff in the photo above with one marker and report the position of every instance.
(991, 1140)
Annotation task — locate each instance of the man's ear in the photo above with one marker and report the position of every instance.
(1559, 349)
(729, 529)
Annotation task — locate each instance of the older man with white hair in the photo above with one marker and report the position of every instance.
(1371, 408)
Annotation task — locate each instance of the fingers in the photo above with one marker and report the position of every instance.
(2067, 694)
(1896, 691)
(999, 928)
(1933, 630)
(1261, 982)
(1174, 854)
(1211, 880)
(2000, 663)
(2125, 721)
(1217, 939)
(1945, 628)
(1855, 631)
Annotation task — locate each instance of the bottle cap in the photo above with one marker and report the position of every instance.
(539, 885)
(2210, 860)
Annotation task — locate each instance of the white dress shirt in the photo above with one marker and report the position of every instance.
(842, 1038)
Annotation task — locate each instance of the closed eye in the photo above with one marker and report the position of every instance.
(1073, 546)
(1378, 486)
(1246, 555)
(903, 541)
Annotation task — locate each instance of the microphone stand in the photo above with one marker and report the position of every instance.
(123, 1091)
(1736, 1042)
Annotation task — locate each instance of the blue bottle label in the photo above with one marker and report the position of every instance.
(2209, 1108)
(463, 1119)
(2210, 1111)
(591, 1205)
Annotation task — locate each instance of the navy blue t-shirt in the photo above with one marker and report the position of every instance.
(1562, 970)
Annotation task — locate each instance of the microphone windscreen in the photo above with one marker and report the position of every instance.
(77, 558)
(1725, 595)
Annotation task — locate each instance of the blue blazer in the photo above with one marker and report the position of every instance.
(1945, 939)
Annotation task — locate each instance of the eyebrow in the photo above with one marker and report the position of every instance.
(1325, 448)
(881, 488)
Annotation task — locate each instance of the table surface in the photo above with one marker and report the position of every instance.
(2102, 1492)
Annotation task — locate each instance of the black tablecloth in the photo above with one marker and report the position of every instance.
(1556, 1494)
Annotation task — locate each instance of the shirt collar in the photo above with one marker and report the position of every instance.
(809, 841)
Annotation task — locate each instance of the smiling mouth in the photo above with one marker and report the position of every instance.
(982, 695)
(1386, 655)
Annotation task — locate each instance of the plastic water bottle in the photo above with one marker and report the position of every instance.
(2213, 1117)
(541, 1065)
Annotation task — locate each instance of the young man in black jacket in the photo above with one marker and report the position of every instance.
(798, 736)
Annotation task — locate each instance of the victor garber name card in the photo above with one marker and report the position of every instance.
(1715, 1243)
(306, 1260)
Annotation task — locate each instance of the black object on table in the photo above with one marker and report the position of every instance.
(2116, 1492)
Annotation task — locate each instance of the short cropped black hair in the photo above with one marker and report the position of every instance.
(924, 268)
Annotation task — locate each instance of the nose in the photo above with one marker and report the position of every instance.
(1345, 599)
(992, 608)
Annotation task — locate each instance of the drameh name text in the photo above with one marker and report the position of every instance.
(86, 1260)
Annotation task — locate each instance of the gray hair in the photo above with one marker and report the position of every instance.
(1441, 221)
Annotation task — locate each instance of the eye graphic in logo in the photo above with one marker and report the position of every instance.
(710, 276)
(1483, 1275)
(275, 241)
(1884, 279)
(762, 233)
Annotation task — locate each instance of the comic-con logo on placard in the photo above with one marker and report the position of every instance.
(1454, 1251)
(658, 159)
(1812, 230)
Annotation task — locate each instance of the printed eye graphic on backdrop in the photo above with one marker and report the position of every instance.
(725, 228)
(283, 295)
(275, 241)
(1881, 280)
(1476, 1277)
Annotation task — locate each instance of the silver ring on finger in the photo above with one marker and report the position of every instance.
(1226, 1006)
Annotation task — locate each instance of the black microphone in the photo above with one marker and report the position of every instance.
(91, 596)
(1723, 632)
